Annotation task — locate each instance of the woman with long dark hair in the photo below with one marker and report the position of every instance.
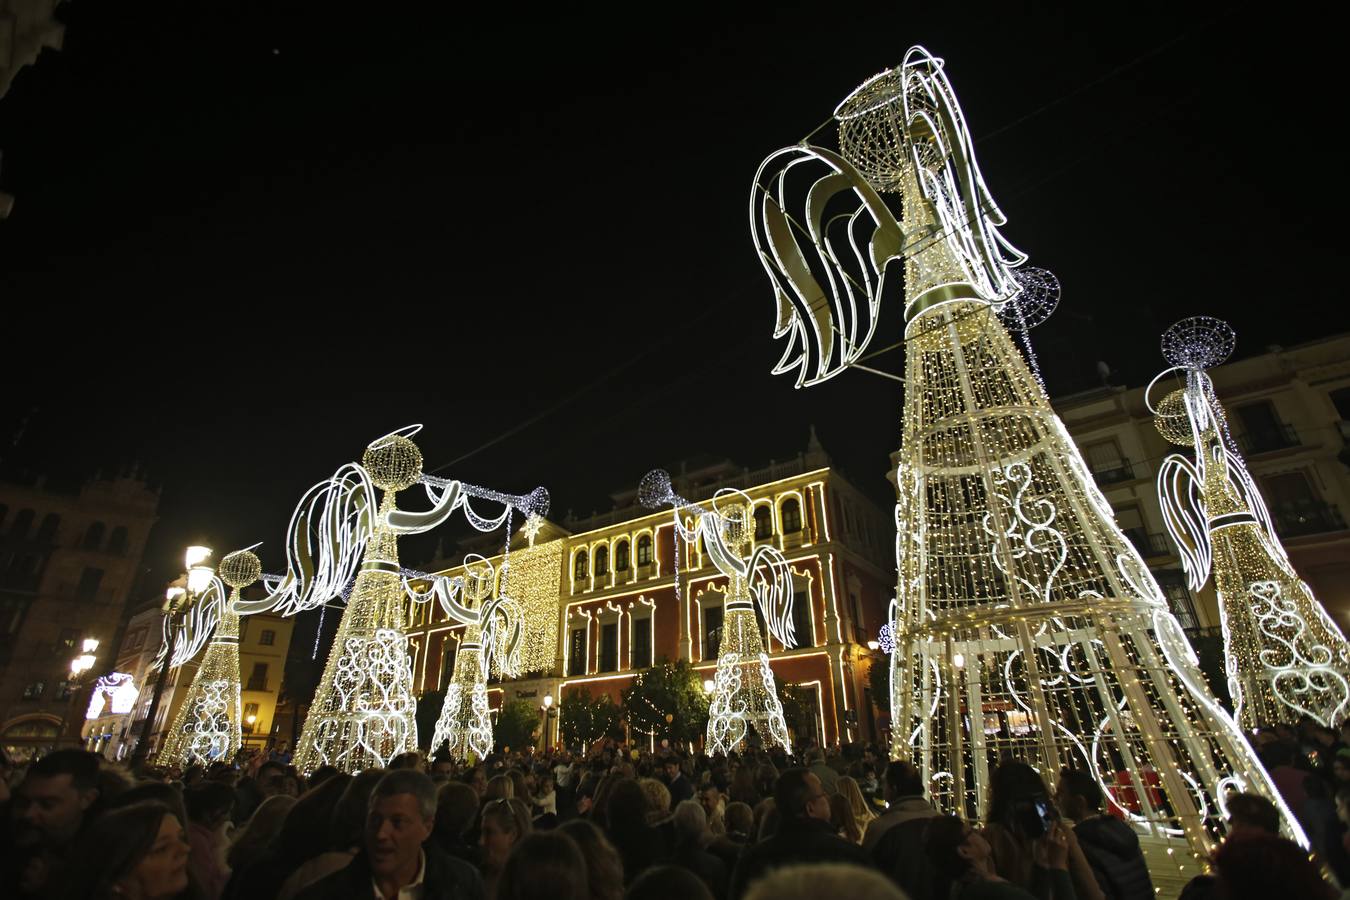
(963, 865)
(639, 844)
(137, 852)
(1019, 806)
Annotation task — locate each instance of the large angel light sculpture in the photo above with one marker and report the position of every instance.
(1025, 622)
(491, 641)
(744, 695)
(207, 725)
(1284, 656)
(363, 710)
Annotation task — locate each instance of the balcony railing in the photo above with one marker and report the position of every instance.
(1121, 471)
(1264, 440)
(1148, 545)
(1293, 519)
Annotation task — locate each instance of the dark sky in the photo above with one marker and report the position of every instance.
(247, 241)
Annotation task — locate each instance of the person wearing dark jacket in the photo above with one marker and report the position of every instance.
(396, 859)
(1111, 846)
(804, 833)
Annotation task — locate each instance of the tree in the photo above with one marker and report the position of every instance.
(879, 680)
(584, 719)
(517, 723)
(667, 701)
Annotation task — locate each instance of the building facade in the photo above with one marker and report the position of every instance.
(1289, 410)
(68, 562)
(108, 726)
(601, 603)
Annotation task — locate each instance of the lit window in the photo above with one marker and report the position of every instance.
(644, 552)
(579, 569)
(621, 557)
(792, 515)
(601, 561)
(267, 638)
(763, 523)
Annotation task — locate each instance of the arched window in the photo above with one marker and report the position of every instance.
(763, 523)
(792, 515)
(47, 533)
(22, 522)
(645, 550)
(93, 538)
(601, 561)
(621, 556)
(579, 565)
(118, 542)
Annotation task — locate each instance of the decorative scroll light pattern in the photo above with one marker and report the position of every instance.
(744, 695)
(363, 710)
(207, 726)
(1283, 655)
(1025, 623)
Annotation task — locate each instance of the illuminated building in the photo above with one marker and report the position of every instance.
(69, 556)
(601, 605)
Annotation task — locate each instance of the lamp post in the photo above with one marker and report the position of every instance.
(548, 712)
(79, 667)
(177, 602)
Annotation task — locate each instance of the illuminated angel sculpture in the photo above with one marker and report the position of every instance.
(1284, 656)
(491, 641)
(744, 694)
(1025, 622)
(363, 711)
(207, 725)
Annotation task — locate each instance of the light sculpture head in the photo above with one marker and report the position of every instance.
(393, 461)
(1172, 420)
(1200, 342)
(240, 568)
(872, 130)
(655, 490)
(733, 511)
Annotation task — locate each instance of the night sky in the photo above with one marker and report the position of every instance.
(248, 241)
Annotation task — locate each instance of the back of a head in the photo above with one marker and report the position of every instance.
(544, 865)
(658, 797)
(903, 779)
(1253, 811)
(152, 791)
(508, 814)
(1011, 783)
(627, 806)
(791, 793)
(456, 808)
(812, 882)
(111, 847)
(347, 820)
(1260, 866)
(1081, 784)
(668, 883)
(604, 868)
(262, 829)
(499, 787)
(942, 840)
(302, 833)
(208, 801)
(409, 760)
(81, 765)
(739, 818)
(691, 822)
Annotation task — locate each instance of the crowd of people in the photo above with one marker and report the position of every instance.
(622, 823)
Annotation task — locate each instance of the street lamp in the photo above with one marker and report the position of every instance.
(178, 602)
(548, 712)
(709, 685)
(85, 661)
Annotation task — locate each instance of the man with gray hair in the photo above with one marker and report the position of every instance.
(396, 863)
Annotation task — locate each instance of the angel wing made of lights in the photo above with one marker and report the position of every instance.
(198, 624)
(1183, 507)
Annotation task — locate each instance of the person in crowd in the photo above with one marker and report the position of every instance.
(396, 858)
(250, 843)
(545, 866)
(302, 837)
(499, 787)
(52, 804)
(714, 804)
(766, 776)
(1019, 806)
(658, 799)
(442, 767)
(505, 821)
(841, 819)
(905, 802)
(815, 763)
(456, 811)
(208, 808)
(1258, 866)
(1290, 778)
(604, 869)
(520, 787)
(743, 789)
(346, 830)
(680, 788)
(667, 883)
(728, 846)
(1252, 814)
(599, 799)
(1110, 846)
(858, 806)
(692, 837)
(963, 864)
(825, 880)
(804, 833)
(639, 844)
(271, 778)
(138, 851)
(320, 774)
(545, 794)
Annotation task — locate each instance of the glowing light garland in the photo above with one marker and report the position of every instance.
(1025, 623)
(744, 695)
(207, 726)
(1284, 656)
